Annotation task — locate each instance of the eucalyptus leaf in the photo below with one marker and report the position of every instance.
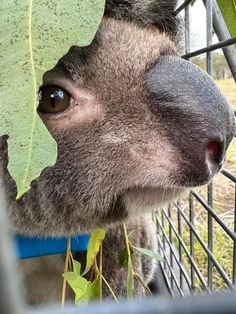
(95, 240)
(149, 253)
(76, 267)
(130, 235)
(130, 280)
(92, 292)
(79, 285)
(95, 289)
(83, 298)
(228, 10)
(35, 34)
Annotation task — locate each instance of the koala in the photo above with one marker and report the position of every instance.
(136, 126)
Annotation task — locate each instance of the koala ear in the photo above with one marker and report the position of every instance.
(63, 104)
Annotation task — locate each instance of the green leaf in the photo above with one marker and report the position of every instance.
(36, 34)
(92, 292)
(130, 235)
(76, 267)
(95, 289)
(94, 244)
(79, 285)
(148, 253)
(123, 258)
(83, 298)
(130, 280)
(84, 290)
(228, 10)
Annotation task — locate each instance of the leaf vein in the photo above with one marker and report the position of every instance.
(34, 90)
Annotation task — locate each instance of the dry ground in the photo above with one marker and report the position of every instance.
(228, 87)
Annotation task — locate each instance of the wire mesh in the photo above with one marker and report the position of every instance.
(197, 235)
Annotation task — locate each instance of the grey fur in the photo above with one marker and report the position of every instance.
(147, 12)
(123, 150)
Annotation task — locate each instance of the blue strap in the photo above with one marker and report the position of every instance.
(27, 247)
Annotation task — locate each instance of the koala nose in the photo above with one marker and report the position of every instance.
(197, 118)
(215, 152)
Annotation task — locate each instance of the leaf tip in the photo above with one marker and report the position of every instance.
(21, 191)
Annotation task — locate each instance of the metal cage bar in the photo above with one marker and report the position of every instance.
(173, 229)
(220, 304)
(10, 298)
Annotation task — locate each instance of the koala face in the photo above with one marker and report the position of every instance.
(135, 126)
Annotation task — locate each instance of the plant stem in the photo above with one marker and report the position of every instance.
(110, 289)
(100, 272)
(63, 296)
(127, 244)
(92, 272)
(71, 260)
(138, 277)
(97, 272)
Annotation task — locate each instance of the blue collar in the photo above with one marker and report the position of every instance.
(27, 247)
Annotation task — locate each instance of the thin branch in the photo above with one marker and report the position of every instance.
(100, 272)
(63, 296)
(92, 272)
(71, 258)
(140, 279)
(110, 289)
(127, 244)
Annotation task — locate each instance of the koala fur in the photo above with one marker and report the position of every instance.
(144, 13)
(122, 149)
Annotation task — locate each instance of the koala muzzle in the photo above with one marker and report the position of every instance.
(198, 120)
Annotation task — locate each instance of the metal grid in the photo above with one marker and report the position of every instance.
(192, 260)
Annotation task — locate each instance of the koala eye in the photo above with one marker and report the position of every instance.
(53, 99)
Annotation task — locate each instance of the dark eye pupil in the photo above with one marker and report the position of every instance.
(52, 99)
(57, 96)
